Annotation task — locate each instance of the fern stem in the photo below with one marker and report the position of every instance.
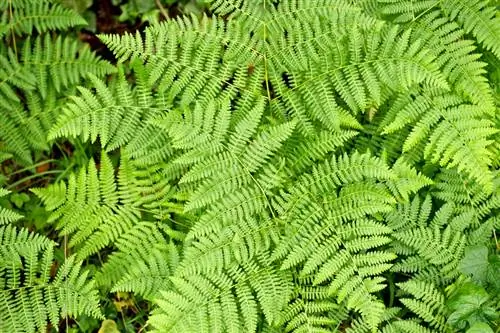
(32, 166)
(11, 17)
(497, 245)
(162, 9)
(68, 169)
(13, 185)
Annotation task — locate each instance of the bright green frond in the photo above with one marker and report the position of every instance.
(223, 302)
(61, 62)
(94, 216)
(113, 113)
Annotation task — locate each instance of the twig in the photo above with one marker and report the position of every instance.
(162, 9)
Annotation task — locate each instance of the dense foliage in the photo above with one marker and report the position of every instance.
(252, 166)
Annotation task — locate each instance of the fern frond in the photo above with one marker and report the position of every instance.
(252, 11)
(318, 314)
(333, 237)
(61, 62)
(169, 51)
(427, 302)
(457, 56)
(113, 113)
(366, 67)
(224, 302)
(408, 180)
(142, 264)
(18, 242)
(29, 303)
(13, 75)
(477, 17)
(249, 201)
(458, 134)
(407, 326)
(451, 186)
(301, 207)
(303, 152)
(440, 248)
(95, 209)
(254, 157)
(239, 242)
(40, 15)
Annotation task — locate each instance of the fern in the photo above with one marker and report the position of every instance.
(50, 66)
(150, 262)
(111, 114)
(458, 133)
(364, 70)
(224, 301)
(13, 75)
(24, 16)
(60, 63)
(429, 244)
(457, 56)
(427, 302)
(477, 17)
(94, 206)
(31, 297)
(280, 166)
(37, 72)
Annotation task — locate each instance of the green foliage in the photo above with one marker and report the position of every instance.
(476, 17)
(474, 301)
(31, 296)
(279, 166)
(38, 72)
(153, 11)
(482, 266)
(470, 306)
(25, 16)
(6, 215)
(93, 207)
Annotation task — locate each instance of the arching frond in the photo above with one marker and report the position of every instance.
(96, 209)
(477, 17)
(61, 62)
(228, 301)
(457, 134)
(113, 114)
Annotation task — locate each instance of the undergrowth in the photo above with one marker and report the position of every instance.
(265, 166)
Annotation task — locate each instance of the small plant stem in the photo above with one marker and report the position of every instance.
(32, 166)
(32, 177)
(162, 9)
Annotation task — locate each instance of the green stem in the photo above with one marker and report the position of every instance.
(32, 177)
(32, 166)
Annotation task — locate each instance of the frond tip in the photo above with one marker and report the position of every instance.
(7, 215)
